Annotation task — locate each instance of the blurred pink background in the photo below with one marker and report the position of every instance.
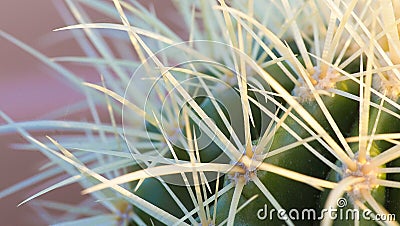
(29, 89)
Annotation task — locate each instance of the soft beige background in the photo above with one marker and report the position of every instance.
(29, 89)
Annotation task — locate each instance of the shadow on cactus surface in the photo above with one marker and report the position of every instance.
(263, 113)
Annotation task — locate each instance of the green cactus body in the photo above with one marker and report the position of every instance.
(291, 194)
(388, 197)
(277, 73)
(347, 214)
(154, 192)
(389, 124)
(386, 124)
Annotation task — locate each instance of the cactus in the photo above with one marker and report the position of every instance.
(264, 113)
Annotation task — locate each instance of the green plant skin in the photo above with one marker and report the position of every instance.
(150, 186)
(393, 194)
(224, 203)
(386, 196)
(228, 106)
(389, 124)
(378, 194)
(291, 194)
(211, 151)
(233, 111)
(290, 159)
(276, 72)
(153, 191)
